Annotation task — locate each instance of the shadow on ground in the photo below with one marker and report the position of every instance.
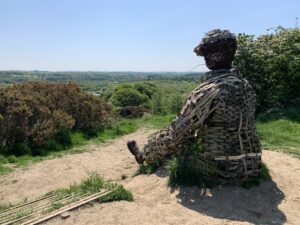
(258, 205)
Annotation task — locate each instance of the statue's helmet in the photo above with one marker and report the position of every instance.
(214, 40)
(218, 48)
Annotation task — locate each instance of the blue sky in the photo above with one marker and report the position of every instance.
(128, 35)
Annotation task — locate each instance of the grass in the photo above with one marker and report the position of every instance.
(92, 184)
(280, 131)
(4, 206)
(180, 174)
(148, 168)
(119, 193)
(54, 206)
(4, 169)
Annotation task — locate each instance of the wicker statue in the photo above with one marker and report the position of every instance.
(220, 111)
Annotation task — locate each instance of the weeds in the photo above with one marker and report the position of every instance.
(92, 184)
(119, 193)
(4, 206)
(54, 206)
(264, 175)
(181, 174)
(4, 169)
(3, 159)
(148, 168)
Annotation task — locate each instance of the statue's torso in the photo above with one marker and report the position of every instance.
(230, 129)
(230, 142)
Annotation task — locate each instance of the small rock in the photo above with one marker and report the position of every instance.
(65, 215)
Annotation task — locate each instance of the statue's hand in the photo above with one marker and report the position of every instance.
(134, 149)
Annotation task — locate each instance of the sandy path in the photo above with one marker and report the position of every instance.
(112, 160)
(274, 202)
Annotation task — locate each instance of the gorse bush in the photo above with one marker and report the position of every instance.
(271, 63)
(33, 113)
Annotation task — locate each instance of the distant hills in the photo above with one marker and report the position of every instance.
(8, 77)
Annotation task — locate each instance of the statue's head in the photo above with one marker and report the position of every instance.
(218, 48)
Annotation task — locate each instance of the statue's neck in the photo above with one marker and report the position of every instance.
(215, 73)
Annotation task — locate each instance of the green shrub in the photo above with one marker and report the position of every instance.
(19, 149)
(64, 138)
(35, 115)
(132, 111)
(3, 160)
(52, 145)
(128, 97)
(145, 88)
(11, 159)
(91, 133)
(119, 193)
(77, 138)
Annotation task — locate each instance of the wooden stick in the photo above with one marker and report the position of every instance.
(27, 203)
(67, 208)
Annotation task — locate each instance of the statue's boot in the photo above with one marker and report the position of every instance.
(134, 149)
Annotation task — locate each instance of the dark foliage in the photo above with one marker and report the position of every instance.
(36, 114)
(132, 111)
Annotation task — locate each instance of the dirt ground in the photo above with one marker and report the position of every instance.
(273, 202)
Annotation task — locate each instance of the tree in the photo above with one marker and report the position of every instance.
(145, 88)
(128, 97)
(271, 63)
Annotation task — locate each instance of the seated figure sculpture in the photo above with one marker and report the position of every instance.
(220, 111)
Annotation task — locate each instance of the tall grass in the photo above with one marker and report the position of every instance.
(280, 131)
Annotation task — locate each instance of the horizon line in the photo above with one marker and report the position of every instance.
(101, 71)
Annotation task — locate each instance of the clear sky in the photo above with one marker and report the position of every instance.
(125, 35)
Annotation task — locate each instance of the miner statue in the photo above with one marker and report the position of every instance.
(219, 112)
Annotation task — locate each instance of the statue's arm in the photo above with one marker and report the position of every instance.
(195, 111)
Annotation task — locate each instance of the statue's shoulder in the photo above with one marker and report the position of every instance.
(220, 80)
